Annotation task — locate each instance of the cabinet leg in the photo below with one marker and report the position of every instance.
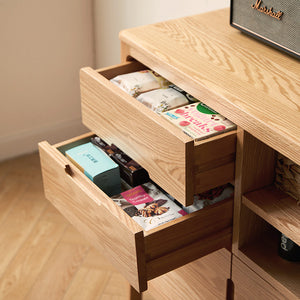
(133, 294)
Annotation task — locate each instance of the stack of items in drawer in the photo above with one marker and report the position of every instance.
(110, 168)
(195, 118)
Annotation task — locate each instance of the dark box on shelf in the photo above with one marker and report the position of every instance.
(275, 22)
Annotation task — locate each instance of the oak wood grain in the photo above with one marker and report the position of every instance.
(248, 285)
(94, 278)
(27, 210)
(277, 208)
(143, 255)
(214, 161)
(261, 255)
(255, 163)
(182, 167)
(202, 279)
(17, 281)
(190, 252)
(199, 225)
(152, 141)
(64, 261)
(255, 86)
(94, 214)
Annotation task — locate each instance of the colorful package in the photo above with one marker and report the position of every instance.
(97, 166)
(199, 121)
(161, 100)
(139, 82)
(130, 170)
(148, 206)
(210, 197)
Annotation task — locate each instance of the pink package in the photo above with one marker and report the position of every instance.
(148, 206)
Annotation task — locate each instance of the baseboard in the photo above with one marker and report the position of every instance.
(25, 141)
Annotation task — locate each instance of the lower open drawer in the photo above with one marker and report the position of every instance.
(139, 255)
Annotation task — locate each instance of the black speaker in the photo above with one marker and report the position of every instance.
(276, 22)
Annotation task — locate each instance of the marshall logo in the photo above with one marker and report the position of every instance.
(265, 10)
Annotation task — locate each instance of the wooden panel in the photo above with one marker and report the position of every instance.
(261, 255)
(215, 151)
(214, 177)
(214, 161)
(277, 208)
(202, 279)
(248, 285)
(190, 252)
(255, 163)
(254, 86)
(94, 214)
(200, 224)
(152, 141)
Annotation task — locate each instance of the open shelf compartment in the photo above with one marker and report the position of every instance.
(260, 253)
(277, 208)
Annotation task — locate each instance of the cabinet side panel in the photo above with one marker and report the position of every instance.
(254, 169)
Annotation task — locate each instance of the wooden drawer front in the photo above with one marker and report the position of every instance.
(205, 278)
(170, 156)
(248, 285)
(138, 255)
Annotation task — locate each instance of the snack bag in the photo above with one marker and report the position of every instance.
(210, 197)
(199, 121)
(139, 82)
(161, 100)
(148, 206)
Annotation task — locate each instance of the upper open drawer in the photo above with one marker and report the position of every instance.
(181, 166)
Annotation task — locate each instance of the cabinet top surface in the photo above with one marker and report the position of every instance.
(254, 85)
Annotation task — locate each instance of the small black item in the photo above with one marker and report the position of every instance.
(288, 249)
(130, 170)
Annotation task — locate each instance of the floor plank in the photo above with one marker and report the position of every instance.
(42, 255)
(22, 272)
(57, 274)
(18, 224)
(89, 283)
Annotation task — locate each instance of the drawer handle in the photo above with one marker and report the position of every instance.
(68, 170)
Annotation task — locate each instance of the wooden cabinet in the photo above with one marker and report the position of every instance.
(257, 87)
(253, 85)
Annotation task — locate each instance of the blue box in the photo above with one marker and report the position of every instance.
(97, 166)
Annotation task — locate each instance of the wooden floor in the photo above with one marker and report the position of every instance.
(41, 256)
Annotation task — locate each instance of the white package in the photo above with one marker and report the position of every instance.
(139, 82)
(161, 100)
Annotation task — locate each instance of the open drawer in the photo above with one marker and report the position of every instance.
(181, 166)
(139, 255)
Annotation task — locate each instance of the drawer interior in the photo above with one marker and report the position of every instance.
(181, 166)
(139, 255)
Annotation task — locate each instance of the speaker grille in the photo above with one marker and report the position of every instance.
(284, 32)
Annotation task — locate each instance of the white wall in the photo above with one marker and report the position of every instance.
(114, 15)
(43, 44)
